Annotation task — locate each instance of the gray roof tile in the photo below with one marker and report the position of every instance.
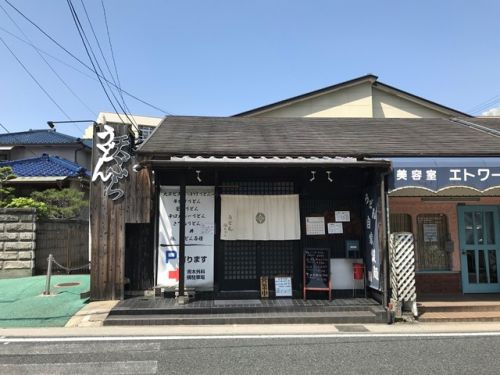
(360, 137)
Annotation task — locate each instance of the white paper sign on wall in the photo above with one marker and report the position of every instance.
(342, 216)
(283, 286)
(199, 237)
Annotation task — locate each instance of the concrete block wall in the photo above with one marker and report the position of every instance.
(17, 242)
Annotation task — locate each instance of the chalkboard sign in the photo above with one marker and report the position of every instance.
(317, 270)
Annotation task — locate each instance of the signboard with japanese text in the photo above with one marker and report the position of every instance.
(335, 228)
(315, 225)
(436, 174)
(342, 216)
(430, 232)
(199, 237)
(283, 286)
(371, 222)
(316, 268)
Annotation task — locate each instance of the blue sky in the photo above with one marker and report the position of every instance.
(223, 57)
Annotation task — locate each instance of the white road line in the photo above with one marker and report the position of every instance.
(84, 368)
(233, 337)
(81, 347)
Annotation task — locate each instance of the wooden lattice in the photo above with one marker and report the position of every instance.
(402, 258)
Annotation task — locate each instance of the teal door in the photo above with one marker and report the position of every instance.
(479, 248)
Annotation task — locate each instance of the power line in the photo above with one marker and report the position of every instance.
(51, 68)
(88, 47)
(486, 104)
(4, 128)
(111, 48)
(114, 60)
(81, 33)
(34, 79)
(124, 107)
(97, 41)
(48, 54)
(80, 61)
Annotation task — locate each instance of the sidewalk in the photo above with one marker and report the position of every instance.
(88, 323)
(23, 304)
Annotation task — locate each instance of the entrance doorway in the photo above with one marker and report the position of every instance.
(479, 247)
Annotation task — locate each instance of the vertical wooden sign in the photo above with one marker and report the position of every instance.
(118, 195)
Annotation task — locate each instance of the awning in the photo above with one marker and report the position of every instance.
(224, 161)
(436, 174)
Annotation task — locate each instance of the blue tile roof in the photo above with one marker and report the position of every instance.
(45, 165)
(39, 137)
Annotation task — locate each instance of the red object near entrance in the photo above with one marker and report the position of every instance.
(358, 271)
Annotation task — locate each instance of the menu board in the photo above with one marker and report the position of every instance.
(316, 268)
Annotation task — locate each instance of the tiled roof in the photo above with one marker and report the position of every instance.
(355, 137)
(39, 137)
(45, 165)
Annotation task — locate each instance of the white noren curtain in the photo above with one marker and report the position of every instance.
(260, 217)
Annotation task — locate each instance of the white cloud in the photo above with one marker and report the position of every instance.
(492, 112)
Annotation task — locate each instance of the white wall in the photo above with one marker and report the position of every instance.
(83, 157)
(355, 101)
(386, 105)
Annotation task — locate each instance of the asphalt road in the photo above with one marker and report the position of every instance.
(347, 354)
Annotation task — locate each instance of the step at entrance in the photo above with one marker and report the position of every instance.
(166, 312)
(460, 311)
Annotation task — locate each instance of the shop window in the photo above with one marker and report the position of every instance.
(400, 223)
(432, 243)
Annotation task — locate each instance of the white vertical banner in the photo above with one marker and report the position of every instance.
(199, 237)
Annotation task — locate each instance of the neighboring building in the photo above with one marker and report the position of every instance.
(34, 143)
(360, 97)
(146, 124)
(45, 172)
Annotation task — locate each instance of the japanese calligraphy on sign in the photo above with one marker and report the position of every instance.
(109, 166)
(199, 237)
(372, 242)
(435, 178)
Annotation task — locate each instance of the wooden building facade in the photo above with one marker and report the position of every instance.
(162, 217)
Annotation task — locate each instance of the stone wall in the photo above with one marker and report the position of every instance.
(17, 242)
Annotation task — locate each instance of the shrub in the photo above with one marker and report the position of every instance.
(61, 204)
(23, 202)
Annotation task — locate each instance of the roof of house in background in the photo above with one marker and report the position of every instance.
(44, 166)
(369, 78)
(41, 137)
(321, 137)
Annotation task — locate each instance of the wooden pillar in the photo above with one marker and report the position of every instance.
(182, 235)
(107, 226)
